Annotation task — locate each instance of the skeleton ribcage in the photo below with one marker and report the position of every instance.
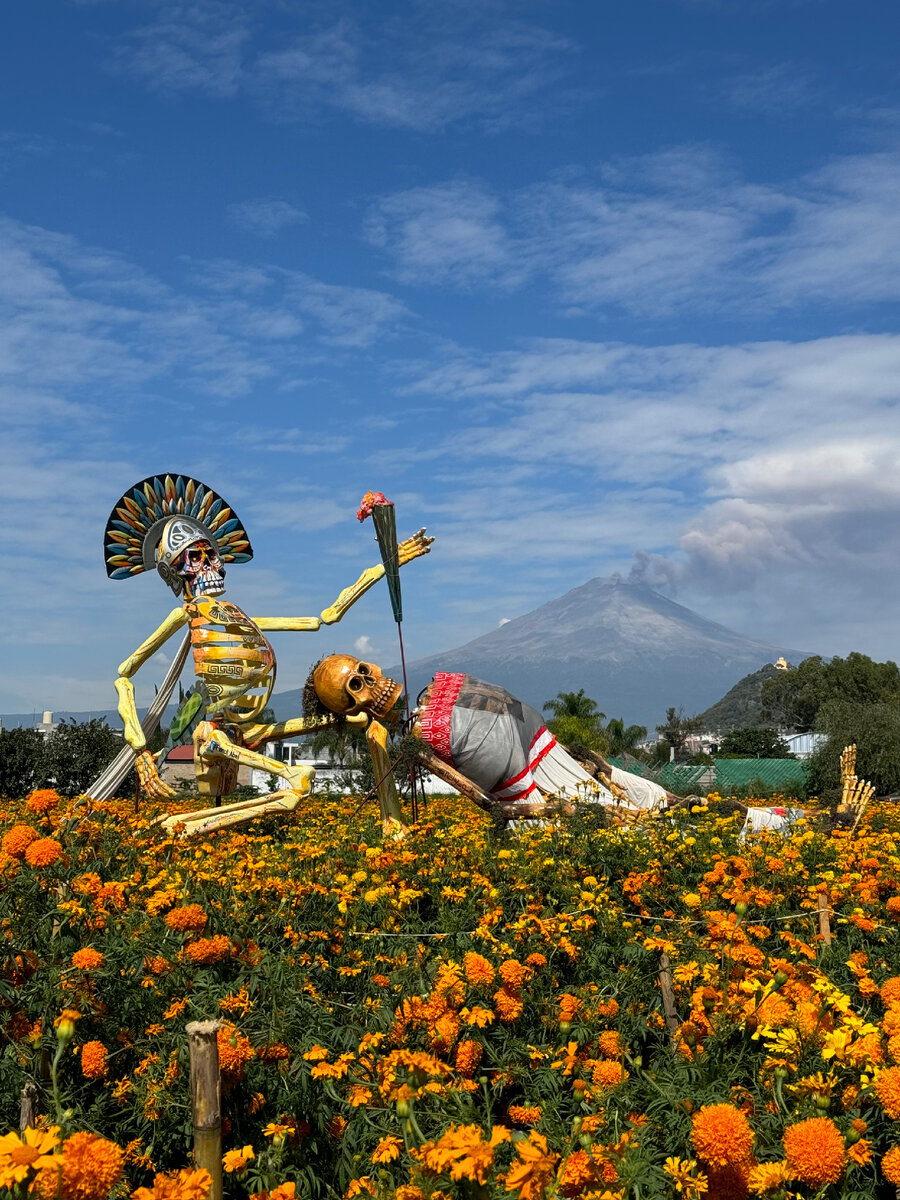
(232, 658)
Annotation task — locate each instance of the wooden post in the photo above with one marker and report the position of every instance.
(26, 1106)
(824, 923)
(206, 1100)
(668, 993)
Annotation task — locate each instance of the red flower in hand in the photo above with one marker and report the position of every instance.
(369, 500)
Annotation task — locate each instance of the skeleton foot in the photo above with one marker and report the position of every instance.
(207, 820)
(151, 783)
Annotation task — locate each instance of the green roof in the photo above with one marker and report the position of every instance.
(725, 775)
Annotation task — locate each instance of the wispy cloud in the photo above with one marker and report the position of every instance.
(422, 73)
(656, 232)
(773, 90)
(265, 217)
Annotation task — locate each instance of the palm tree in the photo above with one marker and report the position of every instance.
(575, 704)
(624, 739)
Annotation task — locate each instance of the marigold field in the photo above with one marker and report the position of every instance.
(461, 1013)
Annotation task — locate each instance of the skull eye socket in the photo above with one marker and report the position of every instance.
(354, 683)
(364, 668)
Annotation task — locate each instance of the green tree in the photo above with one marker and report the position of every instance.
(21, 761)
(576, 718)
(793, 698)
(77, 753)
(875, 728)
(623, 739)
(753, 743)
(676, 730)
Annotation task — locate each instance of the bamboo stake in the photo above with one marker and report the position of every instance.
(668, 993)
(26, 1106)
(206, 1100)
(824, 923)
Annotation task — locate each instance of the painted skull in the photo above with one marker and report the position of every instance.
(347, 685)
(201, 570)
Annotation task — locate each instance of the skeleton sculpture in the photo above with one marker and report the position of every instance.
(187, 532)
(480, 740)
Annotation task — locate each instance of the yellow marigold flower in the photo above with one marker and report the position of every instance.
(206, 951)
(478, 970)
(17, 840)
(65, 1023)
(468, 1056)
(691, 899)
(513, 973)
(814, 1151)
(237, 1160)
(721, 1135)
(387, 1150)
(766, 1177)
(43, 853)
(42, 800)
(608, 1073)
(87, 959)
(21, 1155)
(187, 918)
(93, 1060)
(186, 1184)
(887, 1089)
(890, 1166)
(91, 1167)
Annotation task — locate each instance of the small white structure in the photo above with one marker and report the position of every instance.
(802, 745)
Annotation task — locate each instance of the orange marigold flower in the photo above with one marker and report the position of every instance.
(336, 1126)
(860, 1152)
(608, 1073)
(17, 840)
(206, 951)
(568, 1006)
(93, 1060)
(274, 1052)
(609, 1044)
(509, 1006)
(887, 1089)
(237, 1160)
(186, 1184)
(478, 970)
(87, 959)
(890, 1166)
(893, 908)
(42, 800)
(91, 1167)
(536, 961)
(524, 1114)
(235, 1052)
(607, 1008)
(187, 918)
(43, 853)
(387, 1149)
(814, 1151)
(533, 1171)
(889, 990)
(721, 1135)
(513, 973)
(468, 1056)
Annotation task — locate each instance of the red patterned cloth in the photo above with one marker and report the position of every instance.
(435, 721)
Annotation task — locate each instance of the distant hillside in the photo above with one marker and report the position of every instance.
(740, 708)
(633, 650)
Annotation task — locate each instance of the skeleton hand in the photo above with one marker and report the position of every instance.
(414, 547)
(149, 777)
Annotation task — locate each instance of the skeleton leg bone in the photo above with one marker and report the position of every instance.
(211, 745)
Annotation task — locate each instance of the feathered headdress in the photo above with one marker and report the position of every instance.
(136, 524)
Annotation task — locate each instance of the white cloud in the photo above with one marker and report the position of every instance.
(363, 645)
(654, 233)
(423, 73)
(774, 90)
(265, 217)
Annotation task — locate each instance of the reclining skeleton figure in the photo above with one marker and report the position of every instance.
(480, 740)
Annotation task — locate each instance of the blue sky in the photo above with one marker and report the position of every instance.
(583, 287)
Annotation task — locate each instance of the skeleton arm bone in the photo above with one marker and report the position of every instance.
(409, 548)
(134, 734)
(500, 811)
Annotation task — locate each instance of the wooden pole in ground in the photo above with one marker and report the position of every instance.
(206, 1100)
(26, 1106)
(668, 993)
(824, 923)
